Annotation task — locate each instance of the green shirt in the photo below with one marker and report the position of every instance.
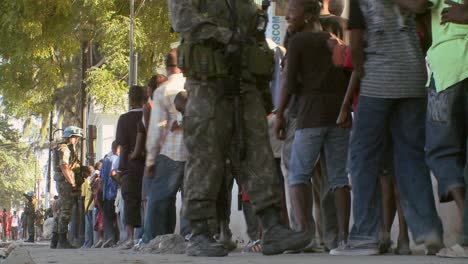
(448, 55)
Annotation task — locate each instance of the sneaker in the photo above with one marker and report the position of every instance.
(278, 239)
(98, 244)
(456, 251)
(344, 249)
(108, 244)
(433, 245)
(203, 245)
(127, 244)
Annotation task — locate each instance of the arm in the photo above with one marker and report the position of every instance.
(120, 138)
(89, 203)
(187, 19)
(156, 124)
(344, 119)
(140, 142)
(455, 13)
(357, 51)
(416, 6)
(280, 123)
(65, 166)
(68, 174)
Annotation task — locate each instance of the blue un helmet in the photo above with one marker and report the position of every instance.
(72, 131)
(30, 193)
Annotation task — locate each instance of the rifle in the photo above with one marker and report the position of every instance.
(233, 83)
(232, 88)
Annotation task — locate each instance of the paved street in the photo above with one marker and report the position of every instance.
(44, 255)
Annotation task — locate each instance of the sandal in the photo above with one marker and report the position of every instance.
(455, 251)
(253, 247)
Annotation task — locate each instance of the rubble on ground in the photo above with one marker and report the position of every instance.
(165, 244)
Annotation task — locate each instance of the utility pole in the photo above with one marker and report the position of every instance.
(49, 165)
(86, 62)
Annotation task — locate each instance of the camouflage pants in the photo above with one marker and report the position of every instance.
(208, 129)
(31, 219)
(64, 190)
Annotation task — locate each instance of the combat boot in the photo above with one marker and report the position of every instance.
(276, 238)
(202, 242)
(225, 236)
(63, 242)
(54, 240)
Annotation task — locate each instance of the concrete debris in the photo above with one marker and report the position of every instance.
(165, 244)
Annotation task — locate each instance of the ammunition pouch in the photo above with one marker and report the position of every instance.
(201, 61)
(260, 60)
(208, 61)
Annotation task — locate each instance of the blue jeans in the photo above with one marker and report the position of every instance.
(446, 136)
(161, 207)
(88, 229)
(306, 150)
(447, 141)
(405, 119)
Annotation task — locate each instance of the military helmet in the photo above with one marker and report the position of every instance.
(72, 131)
(30, 193)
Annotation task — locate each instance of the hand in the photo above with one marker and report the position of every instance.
(149, 171)
(132, 156)
(280, 127)
(344, 118)
(456, 13)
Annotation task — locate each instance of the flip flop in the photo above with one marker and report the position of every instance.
(253, 247)
(455, 251)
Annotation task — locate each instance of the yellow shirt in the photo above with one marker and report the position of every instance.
(87, 194)
(448, 55)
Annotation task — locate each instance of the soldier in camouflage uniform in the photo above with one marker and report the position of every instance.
(30, 214)
(209, 38)
(67, 176)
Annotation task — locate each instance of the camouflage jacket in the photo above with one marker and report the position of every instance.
(199, 20)
(65, 154)
(205, 29)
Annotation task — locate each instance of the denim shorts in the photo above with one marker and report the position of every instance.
(446, 136)
(306, 150)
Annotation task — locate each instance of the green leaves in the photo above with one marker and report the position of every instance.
(17, 165)
(40, 54)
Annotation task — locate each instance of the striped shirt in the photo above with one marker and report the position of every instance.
(394, 65)
(160, 139)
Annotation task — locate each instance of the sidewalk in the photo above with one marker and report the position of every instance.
(44, 255)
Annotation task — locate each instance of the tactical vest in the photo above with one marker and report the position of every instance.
(57, 156)
(207, 61)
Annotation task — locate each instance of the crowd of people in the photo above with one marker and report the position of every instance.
(354, 119)
(26, 225)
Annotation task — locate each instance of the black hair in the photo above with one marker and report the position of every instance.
(312, 7)
(137, 95)
(180, 101)
(171, 59)
(156, 81)
(114, 145)
(336, 7)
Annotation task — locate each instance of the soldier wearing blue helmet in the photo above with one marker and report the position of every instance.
(66, 175)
